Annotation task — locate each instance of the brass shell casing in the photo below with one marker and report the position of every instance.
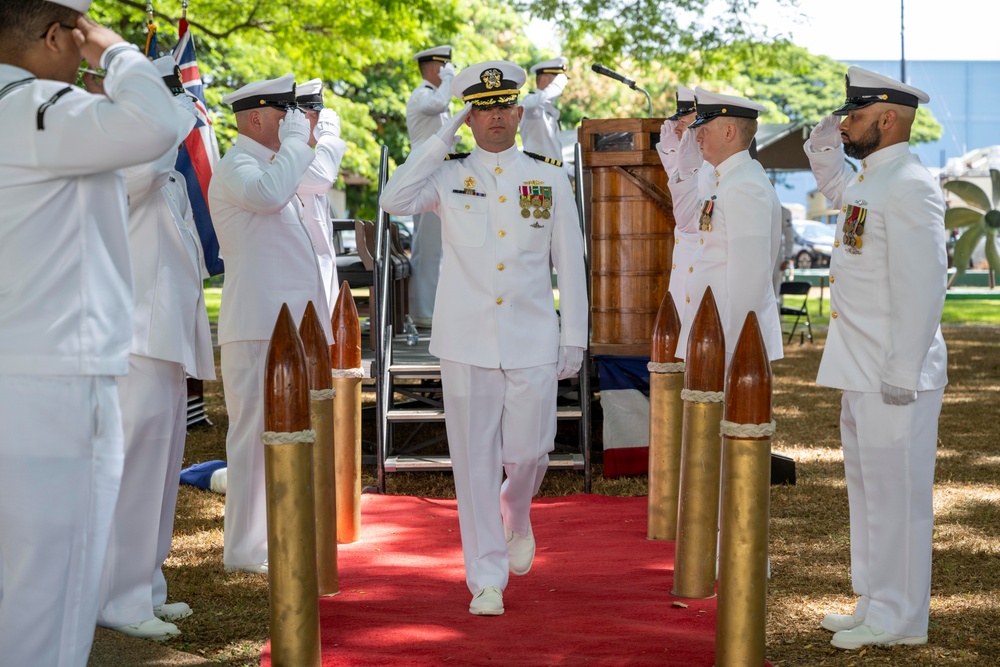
(325, 491)
(347, 438)
(698, 503)
(666, 411)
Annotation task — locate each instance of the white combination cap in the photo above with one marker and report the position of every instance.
(310, 94)
(865, 88)
(491, 83)
(441, 54)
(79, 5)
(278, 93)
(685, 102)
(709, 105)
(554, 66)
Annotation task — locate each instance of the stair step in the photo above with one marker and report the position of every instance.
(443, 463)
(414, 415)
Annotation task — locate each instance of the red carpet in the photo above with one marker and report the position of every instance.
(598, 593)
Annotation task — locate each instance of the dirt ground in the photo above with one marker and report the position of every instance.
(808, 525)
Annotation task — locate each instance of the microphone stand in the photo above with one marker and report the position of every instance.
(649, 101)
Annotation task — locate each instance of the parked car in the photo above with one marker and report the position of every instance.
(813, 243)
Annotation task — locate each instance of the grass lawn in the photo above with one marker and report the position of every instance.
(977, 312)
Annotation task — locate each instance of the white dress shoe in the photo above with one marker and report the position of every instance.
(838, 622)
(520, 550)
(152, 628)
(868, 635)
(487, 602)
(172, 612)
(256, 568)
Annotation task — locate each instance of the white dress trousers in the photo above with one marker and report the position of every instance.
(425, 263)
(496, 417)
(246, 520)
(889, 453)
(154, 419)
(61, 454)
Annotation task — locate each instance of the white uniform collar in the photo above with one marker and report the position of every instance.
(731, 163)
(493, 160)
(883, 155)
(427, 83)
(259, 151)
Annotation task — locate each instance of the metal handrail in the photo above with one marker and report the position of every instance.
(585, 366)
(379, 293)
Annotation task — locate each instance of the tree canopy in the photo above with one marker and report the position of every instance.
(363, 50)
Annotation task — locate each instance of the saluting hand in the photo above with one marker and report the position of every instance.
(826, 134)
(689, 158)
(328, 124)
(450, 128)
(448, 71)
(93, 39)
(669, 142)
(293, 126)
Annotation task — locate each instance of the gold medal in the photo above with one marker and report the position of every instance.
(525, 213)
(538, 212)
(546, 214)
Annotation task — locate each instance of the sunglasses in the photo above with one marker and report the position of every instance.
(61, 25)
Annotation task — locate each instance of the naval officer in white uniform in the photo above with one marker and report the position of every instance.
(885, 351)
(65, 313)
(270, 260)
(319, 179)
(505, 216)
(739, 225)
(540, 123)
(426, 112)
(171, 340)
(681, 158)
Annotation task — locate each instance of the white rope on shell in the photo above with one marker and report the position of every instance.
(322, 394)
(348, 373)
(292, 438)
(734, 430)
(667, 367)
(695, 396)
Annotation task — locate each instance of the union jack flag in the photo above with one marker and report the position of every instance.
(200, 151)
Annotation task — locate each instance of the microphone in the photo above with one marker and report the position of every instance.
(601, 69)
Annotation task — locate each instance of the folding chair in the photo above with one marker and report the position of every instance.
(796, 288)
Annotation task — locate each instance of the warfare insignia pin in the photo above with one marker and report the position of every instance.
(469, 182)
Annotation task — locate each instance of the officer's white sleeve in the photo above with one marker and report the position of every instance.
(551, 92)
(432, 101)
(830, 171)
(85, 134)
(918, 264)
(567, 258)
(687, 203)
(323, 170)
(266, 190)
(412, 188)
(749, 270)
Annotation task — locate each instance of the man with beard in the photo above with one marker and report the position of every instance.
(505, 216)
(885, 351)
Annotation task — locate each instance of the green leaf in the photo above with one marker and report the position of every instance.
(971, 193)
(965, 245)
(961, 217)
(995, 177)
(992, 256)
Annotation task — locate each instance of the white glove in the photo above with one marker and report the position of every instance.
(449, 130)
(328, 125)
(186, 103)
(560, 80)
(447, 72)
(570, 359)
(892, 395)
(668, 138)
(689, 157)
(293, 126)
(826, 135)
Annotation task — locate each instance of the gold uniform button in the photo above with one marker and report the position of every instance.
(677, 241)
(502, 233)
(833, 314)
(499, 300)
(831, 280)
(861, 178)
(500, 266)
(836, 244)
(687, 299)
(690, 269)
(466, 207)
(701, 241)
(673, 266)
(844, 209)
(502, 199)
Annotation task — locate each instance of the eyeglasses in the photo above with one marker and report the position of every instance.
(61, 25)
(282, 106)
(311, 107)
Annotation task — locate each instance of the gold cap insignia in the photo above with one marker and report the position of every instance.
(491, 78)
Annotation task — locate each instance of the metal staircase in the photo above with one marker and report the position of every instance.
(408, 380)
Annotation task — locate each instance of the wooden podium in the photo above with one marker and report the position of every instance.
(630, 231)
